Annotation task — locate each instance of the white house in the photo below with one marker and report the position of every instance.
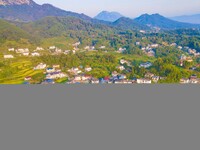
(121, 68)
(40, 66)
(35, 54)
(25, 54)
(75, 71)
(56, 66)
(11, 49)
(8, 56)
(115, 73)
(121, 50)
(143, 81)
(146, 65)
(39, 49)
(137, 43)
(154, 45)
(94, 81)
(142, 31)
(66, 52)
(56, 75)
(52, 47)
(184, 81)
(102, 47)
(21, 50)
(88, 69)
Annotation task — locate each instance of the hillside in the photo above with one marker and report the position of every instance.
(9, 31)
(128, 24)
(58, 26)
(29, 11)
(108, 16)
(159, 21)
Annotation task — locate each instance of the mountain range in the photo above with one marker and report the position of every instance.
(195, 19)
(29, 11)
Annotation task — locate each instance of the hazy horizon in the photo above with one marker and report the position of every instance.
(129, 8)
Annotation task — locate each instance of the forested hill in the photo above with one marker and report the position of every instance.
(11, 32)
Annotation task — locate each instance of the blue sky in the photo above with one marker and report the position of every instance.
(129, 8)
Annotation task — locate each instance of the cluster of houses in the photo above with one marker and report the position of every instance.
(23, 52)
(192, 80)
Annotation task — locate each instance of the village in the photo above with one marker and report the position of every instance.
(78, 75)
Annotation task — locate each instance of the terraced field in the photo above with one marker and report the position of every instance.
(24, 69)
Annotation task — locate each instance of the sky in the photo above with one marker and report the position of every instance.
(129, 8)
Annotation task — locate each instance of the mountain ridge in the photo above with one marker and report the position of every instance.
(156, 20)
(108, 16)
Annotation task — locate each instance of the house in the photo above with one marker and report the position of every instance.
(86, 77)
(155, 79)
(122, 61)
(48, 81)
(40, 66)
(121, 50)
(149, 75)
(189, 59)
(11, 49)
(192, 51)
(26, 50)
(173, 44)
(27, 78)
(52, 47)
(75, 70)
(76, 44)
(56, 66)
(123, 82)
(94, 81)
(50, 70)
(154, 45)
(8, 56)
(146, 65)
(56, 75)
(102, 47)
(115, 74)
(137, 43)
(88, 69)
(143, 81)
(180, 47)
(67, 52)
(121, 77)
(39, 49)
(57, 50)
(35, 54)
(121, 68)
(25, 54)
(142, 31)
(184, 81)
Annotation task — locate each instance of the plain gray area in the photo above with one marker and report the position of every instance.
(100, 117)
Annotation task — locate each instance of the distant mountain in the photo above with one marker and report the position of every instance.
(195, 19)
(28, 10)
(127, 23)
(108, 16)
(159, 21)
